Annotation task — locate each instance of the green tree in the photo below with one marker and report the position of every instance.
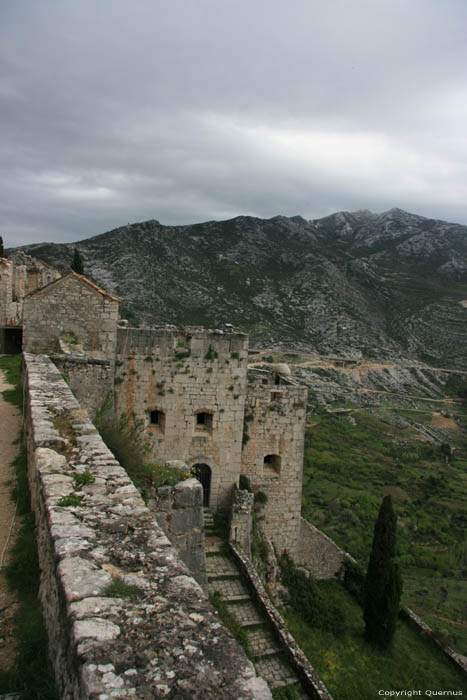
(77, 264)
(2, 250)
(383, 585)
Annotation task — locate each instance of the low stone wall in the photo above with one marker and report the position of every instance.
(459, 661)
(319, 554)
(179, 511)
(164, 642)
(310, 679)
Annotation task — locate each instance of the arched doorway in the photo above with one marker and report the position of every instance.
(203, 473)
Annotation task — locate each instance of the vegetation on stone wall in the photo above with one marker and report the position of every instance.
(32, 676)
(124, 437)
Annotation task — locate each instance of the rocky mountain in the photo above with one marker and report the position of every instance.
(355, 284)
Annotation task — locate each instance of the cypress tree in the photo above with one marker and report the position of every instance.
(2, 251)
(77, 264)
(383, 585)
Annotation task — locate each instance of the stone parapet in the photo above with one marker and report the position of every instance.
(179, 511)
(94, 529)
(305, 671)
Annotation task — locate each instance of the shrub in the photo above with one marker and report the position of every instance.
(307, 600)
(244, 483)
(261, 498)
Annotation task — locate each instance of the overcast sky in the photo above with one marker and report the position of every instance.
(116, 111)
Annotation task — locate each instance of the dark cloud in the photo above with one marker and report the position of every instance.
(187, 111)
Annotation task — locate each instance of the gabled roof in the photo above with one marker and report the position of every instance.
(82, 278)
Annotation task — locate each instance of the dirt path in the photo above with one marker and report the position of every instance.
(10, 422)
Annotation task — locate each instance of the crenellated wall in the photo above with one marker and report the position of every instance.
(167, 377)
(272, 457)
(164, 642)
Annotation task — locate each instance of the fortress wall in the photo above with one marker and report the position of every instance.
(180, 373)
(166, 641)
(275, 423)
(319, 553)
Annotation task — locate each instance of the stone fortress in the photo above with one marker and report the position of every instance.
(199, 404)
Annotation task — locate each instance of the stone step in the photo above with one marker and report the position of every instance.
(230, 589)
(246, 613)
(262, 642)
(276, 670)
(219, 565)
(293, 680)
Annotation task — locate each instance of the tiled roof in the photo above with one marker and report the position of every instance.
(82, 278)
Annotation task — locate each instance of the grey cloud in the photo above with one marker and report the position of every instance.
(187, 111)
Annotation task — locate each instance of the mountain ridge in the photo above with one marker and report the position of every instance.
(351, 284)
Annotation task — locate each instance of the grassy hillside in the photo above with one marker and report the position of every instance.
(351, 669)
(352, 460)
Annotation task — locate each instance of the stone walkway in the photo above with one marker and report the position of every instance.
(225, 578)
(10, 421)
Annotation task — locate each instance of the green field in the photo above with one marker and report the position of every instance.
(350, 467)
(351, 669)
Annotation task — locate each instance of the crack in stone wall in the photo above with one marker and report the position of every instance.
(165, 642)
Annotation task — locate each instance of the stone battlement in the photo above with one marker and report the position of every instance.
(165, 641)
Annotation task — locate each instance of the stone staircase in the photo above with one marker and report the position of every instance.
(225, 578)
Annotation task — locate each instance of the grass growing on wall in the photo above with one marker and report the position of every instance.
(32, 677)
(124, 436)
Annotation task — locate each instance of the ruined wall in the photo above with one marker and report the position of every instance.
(180, 373)
(241, 520)
(179, 512)
(6, 289)
(272, 457)
(164, 642)
(71, 305)
(20, 275)
(319, 553)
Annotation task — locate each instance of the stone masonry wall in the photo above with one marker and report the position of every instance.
(91, 381)
(241, 520)
(166, 641)
(6, 281)
(71, 305)
(275, 425)
(180, 373)
(20, 275)
(319, 554)
(179, 512)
